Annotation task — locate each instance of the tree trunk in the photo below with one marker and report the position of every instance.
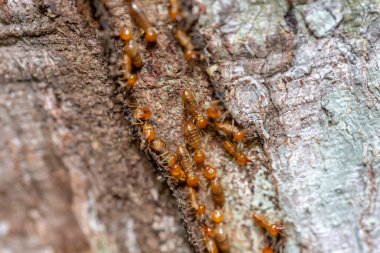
(302, 75)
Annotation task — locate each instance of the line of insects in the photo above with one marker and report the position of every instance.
(183, 166)
(188, 165)
(132, 57)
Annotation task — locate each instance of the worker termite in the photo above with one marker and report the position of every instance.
(230, 129)
(221, 238)
(273, 229)
(190, 103)
(217, 193)
(148, 132)
(142, 113)
(187, 165)
(159, 146)
(239, 156)
(131, 78)
(185, 42)
(142, 21)
(162, 148)
(132, 51)
(174, 9)
(194, 139)
(177, 172)
(193, 199)
(210, 245)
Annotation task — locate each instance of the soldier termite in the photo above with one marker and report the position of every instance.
(187, 165)
(141, 20)
(239, 156)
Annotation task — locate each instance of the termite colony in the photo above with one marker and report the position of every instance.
(187, 166)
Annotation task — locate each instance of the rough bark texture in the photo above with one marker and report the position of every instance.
(305, 77)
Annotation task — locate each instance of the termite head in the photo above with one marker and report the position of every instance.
(126, 33)
(213, 111)
(150, 35)
(210, 172)
(190, 54)
(199, 156)
(131, 80)
(242, 159)
(192, 181)
(240, 135)
(217, 216)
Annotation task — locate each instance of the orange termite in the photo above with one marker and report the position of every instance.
(159, 146)
(148, 132)
(194, 139)
(142, 113)
(207, 230)
(221, 238)
(273, 229)
(210, 245)
(126, 34)
(187, 165)
(177, 172)
(131, 78)
(191, 104)
(240, 157)
(268, 249)
(142, 21)
(230, 129)
(201, 211)
(185, 42)
(217, 193)
(174, 9)
(213, 111)
(132, 51)
(162, 148)
(193, 199)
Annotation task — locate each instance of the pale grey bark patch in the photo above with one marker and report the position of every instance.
(322, 120)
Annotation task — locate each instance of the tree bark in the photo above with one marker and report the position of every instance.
(301, 75)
